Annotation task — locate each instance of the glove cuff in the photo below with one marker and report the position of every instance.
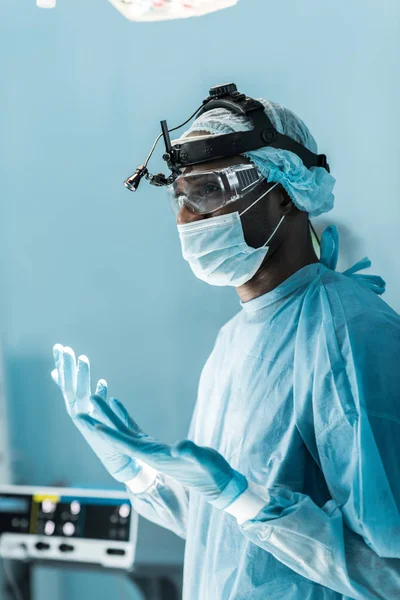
(235, 488)
(143, 480)
(246, 506)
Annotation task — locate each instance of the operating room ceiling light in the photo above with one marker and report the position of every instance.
(46, 3)
(159, 10)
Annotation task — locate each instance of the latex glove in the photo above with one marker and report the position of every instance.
(200, 468)
(73, 379)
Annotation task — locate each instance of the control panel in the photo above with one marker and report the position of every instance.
(67, 524)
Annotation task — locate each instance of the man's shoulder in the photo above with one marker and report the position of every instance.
(230, 326)
(344, 299)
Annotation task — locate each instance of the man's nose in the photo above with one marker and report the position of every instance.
(186, 215)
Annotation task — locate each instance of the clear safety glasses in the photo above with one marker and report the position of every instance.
(205, 192)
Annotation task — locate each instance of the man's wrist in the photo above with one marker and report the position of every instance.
(246, 506)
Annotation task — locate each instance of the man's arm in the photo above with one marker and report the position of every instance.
(348, 409)
(317, 544)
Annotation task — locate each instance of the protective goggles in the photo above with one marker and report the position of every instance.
(205, 192)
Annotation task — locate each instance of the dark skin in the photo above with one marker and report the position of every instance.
(291, 248)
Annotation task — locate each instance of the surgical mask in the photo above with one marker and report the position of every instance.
(217, 252)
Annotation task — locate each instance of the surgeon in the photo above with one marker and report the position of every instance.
(288, 486)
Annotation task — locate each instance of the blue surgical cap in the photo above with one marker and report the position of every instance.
(309, 189)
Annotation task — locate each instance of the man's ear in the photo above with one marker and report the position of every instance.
(286, 204)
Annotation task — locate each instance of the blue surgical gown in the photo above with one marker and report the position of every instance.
(301, 394)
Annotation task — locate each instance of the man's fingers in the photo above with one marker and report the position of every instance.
(54, 376)
(83, 392)
(57, 349)
(65, 362)
(123, 443)
(187, 449)
(68, 370)
(57, 355)
(88, 420)
(102, 389)
(106, 415)
(121, 412)
(132, 446)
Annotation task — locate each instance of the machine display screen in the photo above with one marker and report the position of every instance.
(65, 516)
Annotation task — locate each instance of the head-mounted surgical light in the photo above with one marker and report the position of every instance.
(200, 150)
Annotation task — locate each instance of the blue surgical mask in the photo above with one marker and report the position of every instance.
(217, 252)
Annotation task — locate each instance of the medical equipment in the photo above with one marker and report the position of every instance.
(4, 443)
(67, 525)
(159, 10)
(192, 151)
(5, 466)
(46, 3)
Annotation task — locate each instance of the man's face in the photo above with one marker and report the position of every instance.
(258, 221)
(186, 215)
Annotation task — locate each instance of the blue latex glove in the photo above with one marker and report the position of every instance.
(73, 379)
(202, 469)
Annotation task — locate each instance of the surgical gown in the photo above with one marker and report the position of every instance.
(301, 394)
